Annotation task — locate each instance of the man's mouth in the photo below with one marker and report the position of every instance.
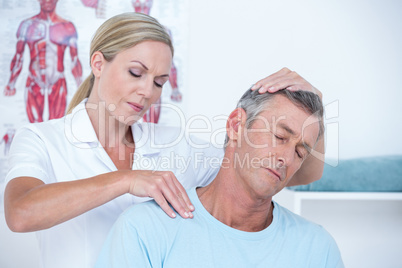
(275, 173)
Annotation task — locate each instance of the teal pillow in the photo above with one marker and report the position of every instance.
(369, 174)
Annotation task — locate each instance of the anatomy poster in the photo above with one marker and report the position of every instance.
(44, 57)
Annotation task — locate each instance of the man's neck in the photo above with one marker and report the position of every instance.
(232, 205)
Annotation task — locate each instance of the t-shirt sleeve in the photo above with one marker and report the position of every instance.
(28, 156)
(334, 259)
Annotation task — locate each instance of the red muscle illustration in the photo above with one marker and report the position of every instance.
(47, 36)
(7, 139)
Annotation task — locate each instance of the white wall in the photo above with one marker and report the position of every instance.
(347, 49)
(350, 50)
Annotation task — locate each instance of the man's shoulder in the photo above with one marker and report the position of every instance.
(149, 218)
(149, 215)
(300, 225)
(143, 210)
(300, 231)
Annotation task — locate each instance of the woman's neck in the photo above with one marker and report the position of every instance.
(116, 138)
(108, 129)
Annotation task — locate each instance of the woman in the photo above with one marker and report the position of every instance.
(70, 178)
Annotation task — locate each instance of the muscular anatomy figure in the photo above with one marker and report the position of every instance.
(98, 5)
(47, 36)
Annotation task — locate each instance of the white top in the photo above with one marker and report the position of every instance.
(67, 149)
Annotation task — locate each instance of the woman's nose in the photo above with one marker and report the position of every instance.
(145, 88)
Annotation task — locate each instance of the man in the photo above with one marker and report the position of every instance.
(47, 36)
(236, 223)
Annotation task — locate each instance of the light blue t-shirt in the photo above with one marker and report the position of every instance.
(144, 236)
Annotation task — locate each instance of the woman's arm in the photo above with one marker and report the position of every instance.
(32, 205)
(312, 168)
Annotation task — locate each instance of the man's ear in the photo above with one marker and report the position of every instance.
(236, 123)
(97, 63)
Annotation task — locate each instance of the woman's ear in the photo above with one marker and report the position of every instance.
(236, 123)
(97, 62)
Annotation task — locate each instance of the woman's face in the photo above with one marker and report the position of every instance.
(133, 80)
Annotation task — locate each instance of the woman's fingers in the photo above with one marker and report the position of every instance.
(165, 189)
(284, 79)
(184, 195)
(264, 84)
(161, 201)
(176, 195)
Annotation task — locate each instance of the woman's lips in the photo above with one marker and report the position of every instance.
(136, 107)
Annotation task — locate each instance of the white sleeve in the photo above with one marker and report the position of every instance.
(28, 156)
(207, 160)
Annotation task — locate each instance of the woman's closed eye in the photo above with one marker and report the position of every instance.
(135, 74)
(157, 84)
(160, 81)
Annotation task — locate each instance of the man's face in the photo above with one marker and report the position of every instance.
(270, 152)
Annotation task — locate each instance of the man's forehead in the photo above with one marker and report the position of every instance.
(282, 114)
(279, 101)
(281, 111)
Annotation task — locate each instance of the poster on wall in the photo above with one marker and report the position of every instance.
(44, 57)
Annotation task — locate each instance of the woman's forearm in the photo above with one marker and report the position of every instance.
(312, 168)
(31, 205)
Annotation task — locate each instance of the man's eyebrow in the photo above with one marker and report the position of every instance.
(286, 128)
(307, 146)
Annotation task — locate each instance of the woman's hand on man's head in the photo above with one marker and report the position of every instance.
(284, 79)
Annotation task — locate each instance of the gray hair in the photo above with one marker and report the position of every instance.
(253, 103)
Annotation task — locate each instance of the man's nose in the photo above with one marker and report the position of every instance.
(285, 155)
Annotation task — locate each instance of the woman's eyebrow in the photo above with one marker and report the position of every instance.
(146, 68)
(143, 65)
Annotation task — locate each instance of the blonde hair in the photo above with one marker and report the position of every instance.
(117, 34)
